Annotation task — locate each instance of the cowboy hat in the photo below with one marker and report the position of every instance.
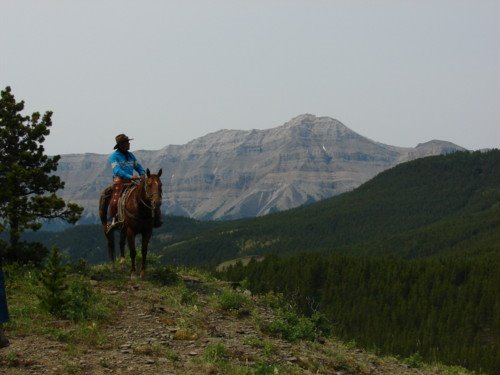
(121, 138)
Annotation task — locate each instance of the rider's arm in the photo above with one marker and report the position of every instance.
(138, 167)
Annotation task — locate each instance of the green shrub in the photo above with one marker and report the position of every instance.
(291, 326)
(81, 300)
(69, 298)
(52, 295)
(231, 300)
(415, 360)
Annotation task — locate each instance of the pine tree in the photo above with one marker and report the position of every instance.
(28, 185)
(53, 295)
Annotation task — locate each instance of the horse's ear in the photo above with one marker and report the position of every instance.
(159, 172)
(148, 173)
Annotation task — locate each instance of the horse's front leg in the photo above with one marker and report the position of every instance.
(144, 251)
(123, 239)
(110, 239)
(131, 246)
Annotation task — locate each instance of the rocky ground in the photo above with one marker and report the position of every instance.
(182, 330)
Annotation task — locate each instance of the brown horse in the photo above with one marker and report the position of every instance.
(137, 210)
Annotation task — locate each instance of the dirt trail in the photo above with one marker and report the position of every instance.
(149, 337)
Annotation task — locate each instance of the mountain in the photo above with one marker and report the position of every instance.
(233, 174)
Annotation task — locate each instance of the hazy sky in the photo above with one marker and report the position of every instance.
(165, 72)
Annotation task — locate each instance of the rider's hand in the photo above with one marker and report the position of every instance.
(143, 177)
(135, 178)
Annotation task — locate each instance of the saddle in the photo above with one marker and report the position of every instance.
(105, 198)
(127, 189)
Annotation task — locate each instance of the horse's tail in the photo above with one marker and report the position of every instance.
(104, 200)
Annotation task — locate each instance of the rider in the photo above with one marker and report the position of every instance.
(124, 163)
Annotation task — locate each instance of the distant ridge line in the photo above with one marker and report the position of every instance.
(230, 174)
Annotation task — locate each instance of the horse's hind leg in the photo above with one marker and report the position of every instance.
(131, 246)
(144, 251)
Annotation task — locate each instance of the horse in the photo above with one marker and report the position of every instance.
(137, 208)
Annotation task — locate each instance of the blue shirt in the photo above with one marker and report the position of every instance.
(124, 164)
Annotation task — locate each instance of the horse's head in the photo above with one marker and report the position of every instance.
(152, 188)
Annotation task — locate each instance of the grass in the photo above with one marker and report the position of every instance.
(86, 311)
(215, 353)
(267, 347)
(24, 310)
(185, 307)
(12, 358)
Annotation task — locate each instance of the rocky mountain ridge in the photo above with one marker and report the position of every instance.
(231, 174)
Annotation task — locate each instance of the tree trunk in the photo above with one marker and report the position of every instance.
(14, 237)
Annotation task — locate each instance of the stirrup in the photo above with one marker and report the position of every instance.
(109, 228)
(114, 223)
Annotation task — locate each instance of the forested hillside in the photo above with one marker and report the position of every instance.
(421, 208)
(407, 263)
(444, 308)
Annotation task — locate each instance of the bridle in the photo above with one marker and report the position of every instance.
(149, 197)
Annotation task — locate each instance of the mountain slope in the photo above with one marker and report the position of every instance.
(232, 174)
(420, 208)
